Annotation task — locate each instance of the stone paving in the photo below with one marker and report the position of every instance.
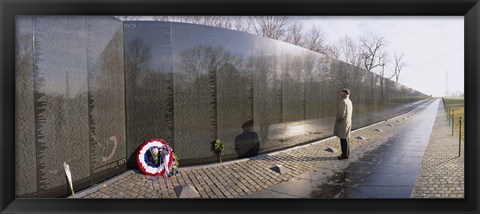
(243, 177)
(442, 171)
(386, 168)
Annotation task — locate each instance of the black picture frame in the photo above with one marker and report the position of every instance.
(470, 9)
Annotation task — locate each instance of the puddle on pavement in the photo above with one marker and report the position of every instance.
(333, 188)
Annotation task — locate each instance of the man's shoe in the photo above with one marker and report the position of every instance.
(341, 157)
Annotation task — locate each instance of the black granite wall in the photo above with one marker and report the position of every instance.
(149, 84)
(91, 90)
(70, 102)
(222, 81)
(25, 145)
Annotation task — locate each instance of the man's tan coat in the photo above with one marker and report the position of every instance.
(343, 122)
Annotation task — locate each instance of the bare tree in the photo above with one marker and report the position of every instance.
(216, 21)
(163, 18)
(241, 23)
(372, 51)
(315, 40)
(137, 56)
(373, 56)
(270, 26)
(232, 22)
(399, 64)
(186, 19)
(295, 34)
(349, 50)
(201, 20)
(334, 51)
(136, 59)
(128, 18)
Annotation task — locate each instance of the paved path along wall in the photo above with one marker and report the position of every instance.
(386, 168)
(442, 173)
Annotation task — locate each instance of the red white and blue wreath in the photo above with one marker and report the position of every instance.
(156, 158)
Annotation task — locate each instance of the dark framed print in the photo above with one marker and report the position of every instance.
(238, 106)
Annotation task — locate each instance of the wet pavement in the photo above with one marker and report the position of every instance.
(388, 171)
(442, 174)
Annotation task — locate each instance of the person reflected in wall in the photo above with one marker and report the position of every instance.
(247, 143)
(343, 122)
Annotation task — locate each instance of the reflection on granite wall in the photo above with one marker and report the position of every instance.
(293, 94)
(91, 90)
(106, 93)
(267, 92)
(229, 85)
(70, 102)
(234, 75)
(314, 95)
(195, 60)
(61, 99)
(149, 91)
(25, 150)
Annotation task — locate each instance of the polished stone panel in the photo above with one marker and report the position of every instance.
(61, 99)
(25, 149)
(331, 88)
(315, 75)
(70, 101)
(267, 93)
(106, 99)
(194, 90)
(293, 82)
(362, 93)
(149, 84)
(294, 74)
(231, 85)
(234, 97)
(314, 79)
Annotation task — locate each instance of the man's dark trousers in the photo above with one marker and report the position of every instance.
(345, 148)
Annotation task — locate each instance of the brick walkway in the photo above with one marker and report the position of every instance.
(442, 171)
(243, 177)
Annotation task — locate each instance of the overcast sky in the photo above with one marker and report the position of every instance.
(432, 46)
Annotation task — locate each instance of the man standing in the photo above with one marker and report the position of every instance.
(343, 123)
